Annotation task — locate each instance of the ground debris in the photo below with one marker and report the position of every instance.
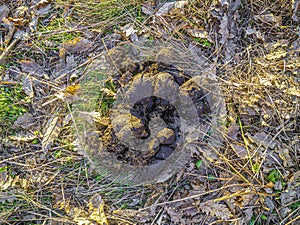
(250, 47)
(51, 132)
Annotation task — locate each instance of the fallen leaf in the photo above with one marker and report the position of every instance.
(263, 139)
(175, 214)
(7, 181)
(52, 130)
(240, 150)
(11, 31)
(96, 210)
(21, 11)
(148, 7)
(21, 35)
(134, 37)
(166, 7)
(18, 22)
(273, 56)
(269, 18)
(248, 213)
(284, 154)
(72, 89)
(265, 82)
(27, 137)
(287, 196)
(33, 24)
(24, 121)
(216, 209)
(32, 68)
(224, 29)
(198, 32)
(4, 11)
(27, 86)
(66, 120)
(42, 3)
(269, 203)
(67, 96)
(253, 31)
(92, 117)
(43, 10)
(295, 7)
(77, 45)
(128, 29)
(206, 151)
(232, 131)
(294, 91)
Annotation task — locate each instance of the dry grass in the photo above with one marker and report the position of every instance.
(256, 176)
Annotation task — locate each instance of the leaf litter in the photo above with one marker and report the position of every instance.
(261, 85)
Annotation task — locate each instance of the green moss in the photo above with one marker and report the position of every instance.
(274, 176)
(204, 42)
(11, 104)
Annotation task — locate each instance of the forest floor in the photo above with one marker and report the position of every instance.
(250, 48)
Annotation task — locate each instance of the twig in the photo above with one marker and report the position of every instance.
(193, 196)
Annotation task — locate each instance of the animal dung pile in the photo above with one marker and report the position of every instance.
(155, 114)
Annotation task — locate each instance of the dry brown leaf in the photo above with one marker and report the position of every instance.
(198, 32)
(253, 31)
(66, 120)
(273, 56)
(63, 204)
(7, 181)
(287, 196)
(175, 214)
(52, 130)
(166, 7)
(80, 215)
(96, 210)
(224, 29)
(32, 68)
(77, 45)
(9, 35)
(108, 92)
(27, 86)
(23, 137)
(43, 10)
(4, 11)
(18, 22)
(269, 18)
(21, 11)
(248, 213)
(66, 96)
(240, 150)
(33, 24)
(42, 3)
(284, 154)
(128, 29)
(24, 121)
(72, 89)
(295, 7)
(263, 139)
(69, 94)
(148, 7)
(232, 131)
(216, 209)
